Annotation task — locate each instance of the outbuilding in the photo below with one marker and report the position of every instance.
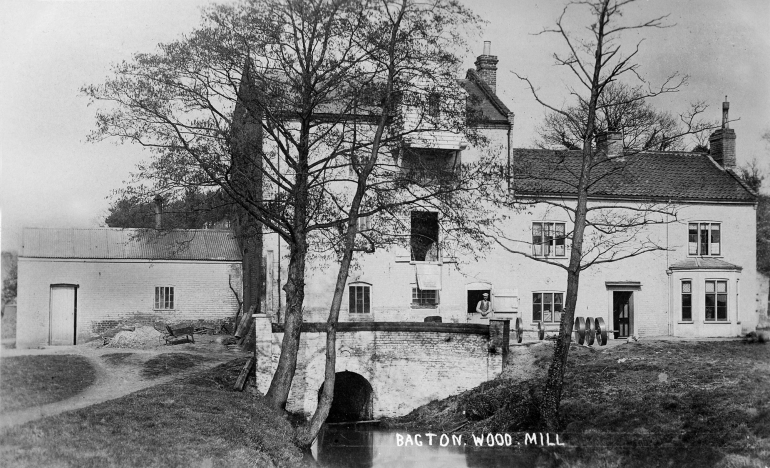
(74, 284)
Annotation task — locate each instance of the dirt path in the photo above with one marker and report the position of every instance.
(114, 378)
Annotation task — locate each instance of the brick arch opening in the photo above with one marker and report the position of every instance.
(353, 397)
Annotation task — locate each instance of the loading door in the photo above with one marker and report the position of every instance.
(63, 314)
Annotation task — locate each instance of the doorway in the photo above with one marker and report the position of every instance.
(474, 296)
(63, 310)
(352, 398)
(622, 313)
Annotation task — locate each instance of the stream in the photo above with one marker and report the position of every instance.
(367, 446)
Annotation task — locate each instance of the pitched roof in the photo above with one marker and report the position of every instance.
(147, 244)
(663, 175)
(704, 263)
(483, 100)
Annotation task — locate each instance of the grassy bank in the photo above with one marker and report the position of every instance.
(195, 421)
(27, 381)
(651, 403)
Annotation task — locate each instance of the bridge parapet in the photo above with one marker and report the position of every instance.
(407, 364)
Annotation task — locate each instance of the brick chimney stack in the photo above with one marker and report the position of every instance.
(722, 141)
(158, 211)
(486, 66)
(610, 144)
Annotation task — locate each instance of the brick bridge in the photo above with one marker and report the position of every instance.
(385, 369)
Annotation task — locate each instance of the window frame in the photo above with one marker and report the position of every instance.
(420, 299)
(549, 239)
(164, 298)
(696, 247)
(553, 304)
(716, 296)
(353, 298)
(682, 300)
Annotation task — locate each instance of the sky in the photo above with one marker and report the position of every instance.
(50, 176)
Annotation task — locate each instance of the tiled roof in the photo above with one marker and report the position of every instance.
(704, 263)
(483, 100)
(149, 244)
(675, 176)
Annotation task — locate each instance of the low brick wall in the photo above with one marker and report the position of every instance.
(407, 364)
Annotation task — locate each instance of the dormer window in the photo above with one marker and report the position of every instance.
(704, 239)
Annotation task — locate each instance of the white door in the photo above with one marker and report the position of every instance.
(62, 315)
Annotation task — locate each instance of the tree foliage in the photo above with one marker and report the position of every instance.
(194, 210)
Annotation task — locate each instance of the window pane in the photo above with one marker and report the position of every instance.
(715, 239)
(722, 286)
(721, 306)
(560, 240)
(352, 300)
(557, 306)
(704, 239)
(709, 286)
(548, 307)
(367, 299)
(537, 301)
(686, 287)
(537, 239)
(710, 306)
(547, 238)
(692, 239)
(687, 307)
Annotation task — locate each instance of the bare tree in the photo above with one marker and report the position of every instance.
(602, 232)
(339, 91)
(627, 110)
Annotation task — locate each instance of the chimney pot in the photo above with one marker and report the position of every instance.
(486, 66)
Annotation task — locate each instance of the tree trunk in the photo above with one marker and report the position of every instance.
(308, 433)
(278, 393)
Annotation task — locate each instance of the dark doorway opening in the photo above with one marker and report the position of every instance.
(352, 398)
(622, 313)
(474, 296)
(424, 236)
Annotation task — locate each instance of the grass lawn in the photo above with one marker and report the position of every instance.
(651, 403)
(195, 421)
(27, 381)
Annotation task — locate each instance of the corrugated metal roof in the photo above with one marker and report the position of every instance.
(149, 244)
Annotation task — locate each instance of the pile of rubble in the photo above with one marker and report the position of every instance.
(140, 337)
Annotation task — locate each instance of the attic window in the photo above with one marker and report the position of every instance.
(424, 236)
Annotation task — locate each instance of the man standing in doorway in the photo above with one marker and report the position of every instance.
(484, 307)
